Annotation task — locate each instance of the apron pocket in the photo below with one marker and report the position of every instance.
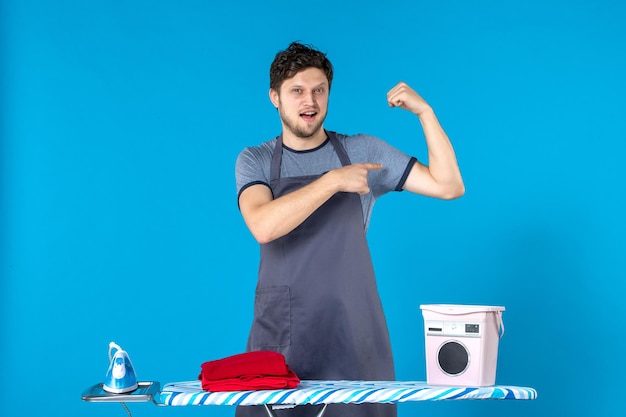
(272, 318)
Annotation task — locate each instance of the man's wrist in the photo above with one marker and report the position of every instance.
(426, 114)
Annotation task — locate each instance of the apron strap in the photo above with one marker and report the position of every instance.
(277, 155)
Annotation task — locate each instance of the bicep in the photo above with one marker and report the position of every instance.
(420, 181)
(252, 198)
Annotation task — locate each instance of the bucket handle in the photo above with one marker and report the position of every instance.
(500, 323)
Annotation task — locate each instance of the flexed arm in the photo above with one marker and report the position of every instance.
(442, 177)
(269, 218)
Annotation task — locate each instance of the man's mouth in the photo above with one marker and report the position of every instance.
(308, 116)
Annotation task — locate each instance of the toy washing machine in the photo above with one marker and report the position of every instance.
(462, 344)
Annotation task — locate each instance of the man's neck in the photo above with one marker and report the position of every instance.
(303, 144)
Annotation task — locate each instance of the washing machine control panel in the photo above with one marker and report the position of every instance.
(452, 328)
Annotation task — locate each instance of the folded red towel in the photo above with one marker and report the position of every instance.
(250, 363)
(248, 371)
(252, 383)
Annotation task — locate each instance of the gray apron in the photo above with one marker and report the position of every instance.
(317, 301)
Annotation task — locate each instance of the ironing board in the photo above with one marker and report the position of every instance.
(309, 392)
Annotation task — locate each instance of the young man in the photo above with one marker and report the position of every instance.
(306, 197)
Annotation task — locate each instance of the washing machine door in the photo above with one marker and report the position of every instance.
(453, 358)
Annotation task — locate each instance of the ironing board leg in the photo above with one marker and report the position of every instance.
(321, 413)
(269, 410)
(271, 413)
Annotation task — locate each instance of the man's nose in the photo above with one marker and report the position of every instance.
(309, 97)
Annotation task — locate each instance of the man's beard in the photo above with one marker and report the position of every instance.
(298, 131)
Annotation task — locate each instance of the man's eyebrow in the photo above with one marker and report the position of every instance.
(298, 85)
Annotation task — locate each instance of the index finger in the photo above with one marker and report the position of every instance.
(372, 166)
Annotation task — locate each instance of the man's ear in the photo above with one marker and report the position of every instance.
(274, 97)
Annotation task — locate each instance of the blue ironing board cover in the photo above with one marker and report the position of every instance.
(330, 392)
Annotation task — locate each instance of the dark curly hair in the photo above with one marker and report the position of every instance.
(298, 57)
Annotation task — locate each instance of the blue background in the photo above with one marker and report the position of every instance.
(121, 122)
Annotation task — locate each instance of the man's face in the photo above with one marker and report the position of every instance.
(303, 102)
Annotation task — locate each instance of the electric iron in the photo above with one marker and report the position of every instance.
(120, 377)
